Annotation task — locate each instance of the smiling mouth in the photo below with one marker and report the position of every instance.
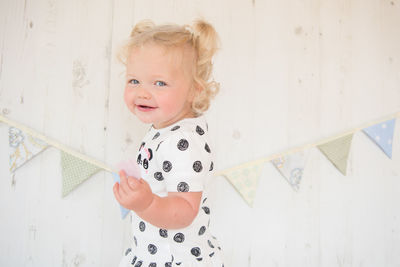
(144, 107)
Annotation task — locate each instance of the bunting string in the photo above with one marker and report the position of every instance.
(56, 144)
(306, 146)
(77, 167)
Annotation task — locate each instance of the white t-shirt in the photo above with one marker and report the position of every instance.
(177, 158)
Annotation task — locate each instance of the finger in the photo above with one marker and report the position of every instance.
(124, 187)
(122, 172)
(130, 179)
(116, 192)
(122, 192)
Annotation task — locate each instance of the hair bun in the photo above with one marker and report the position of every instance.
(206, 38)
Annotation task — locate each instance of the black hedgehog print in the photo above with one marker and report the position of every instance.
(207, 148)
(197, 166)
(202, 230)
(179, 237)
(199, 130)
(206, 210)
(211, 166)
(128, 251)
(210, 244)
(196, 251)
(183, 187)
(167, 166)
(159, 145)
(156, 135)
(175, 128)
(183, 144)
(158, 176)
(163, 233)
(152, 249)
(142, 226)
(139, 159)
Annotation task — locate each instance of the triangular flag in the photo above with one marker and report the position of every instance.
(75, 171)
(245, 180)
(291, 167)
(382, 135)
(124, 211)
(337, 151)
(23, 147)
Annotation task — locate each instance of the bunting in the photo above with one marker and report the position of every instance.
(291, 167)
(337, 151)
(23, 147)
(26, 143)
(74, 172)
(382, 135)
(245, 180)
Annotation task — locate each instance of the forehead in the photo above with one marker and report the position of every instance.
(153, 57)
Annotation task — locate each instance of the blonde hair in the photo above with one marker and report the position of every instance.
(200, 36)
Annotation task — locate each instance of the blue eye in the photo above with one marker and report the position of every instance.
(133, 81)
(160, 83)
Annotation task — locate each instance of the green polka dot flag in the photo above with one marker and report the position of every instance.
(74, 172)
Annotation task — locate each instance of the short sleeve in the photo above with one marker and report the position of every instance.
(185, 159)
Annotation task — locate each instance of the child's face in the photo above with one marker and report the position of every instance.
(158, 85)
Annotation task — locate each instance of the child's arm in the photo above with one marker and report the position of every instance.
(177, 210)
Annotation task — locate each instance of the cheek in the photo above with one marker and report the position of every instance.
(164, 103)
(129, 97)
(174, 103)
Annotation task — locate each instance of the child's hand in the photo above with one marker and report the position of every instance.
(133, 194)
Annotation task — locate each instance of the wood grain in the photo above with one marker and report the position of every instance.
(291, 72)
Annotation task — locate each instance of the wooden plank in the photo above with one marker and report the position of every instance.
(291, 72)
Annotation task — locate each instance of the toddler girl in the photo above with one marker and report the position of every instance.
(168, 84)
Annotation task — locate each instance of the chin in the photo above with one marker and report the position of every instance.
(144, 119)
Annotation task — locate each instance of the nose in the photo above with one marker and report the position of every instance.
(143, 93)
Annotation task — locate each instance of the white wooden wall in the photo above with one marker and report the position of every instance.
(292, 72)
